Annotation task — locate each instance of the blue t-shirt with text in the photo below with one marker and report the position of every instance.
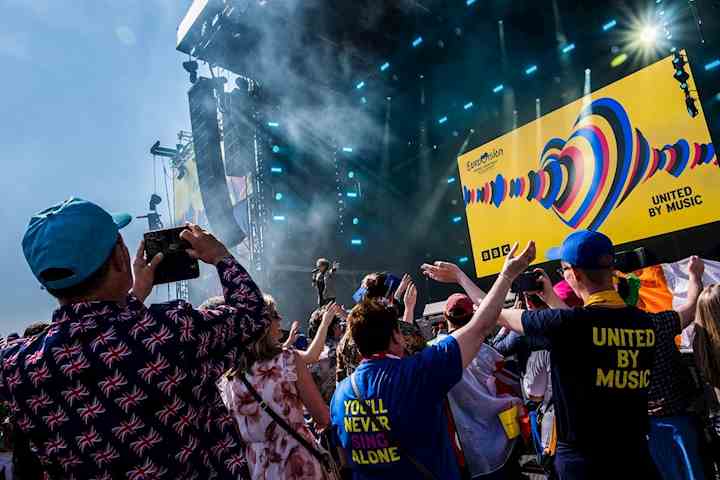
(405, 397)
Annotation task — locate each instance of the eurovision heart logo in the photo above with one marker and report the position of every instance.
(584, 178)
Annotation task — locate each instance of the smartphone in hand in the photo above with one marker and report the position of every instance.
(527, 282)
(176, 264)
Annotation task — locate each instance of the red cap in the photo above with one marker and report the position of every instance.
(459, 305)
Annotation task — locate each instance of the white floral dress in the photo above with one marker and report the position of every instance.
(271, 452)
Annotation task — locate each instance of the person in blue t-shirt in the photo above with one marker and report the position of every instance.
(388, 414)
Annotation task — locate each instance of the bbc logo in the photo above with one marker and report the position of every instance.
(496, 252)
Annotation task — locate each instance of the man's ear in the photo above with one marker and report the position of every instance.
(120, 257)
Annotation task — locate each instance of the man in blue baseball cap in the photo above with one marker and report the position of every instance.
(601, 357)
(116, 389)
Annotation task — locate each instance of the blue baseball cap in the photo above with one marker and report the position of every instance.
(585, 249)
(75, 235)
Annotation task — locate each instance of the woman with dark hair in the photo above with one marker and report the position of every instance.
(279, 377)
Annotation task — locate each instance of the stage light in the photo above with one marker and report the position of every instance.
(347, 149)
(356, 220)
(276, 170)
(384, 66)
(351, 194)
(279, 218)
(498, 88)
(451, 180)
(469, 2)
(276, 149)
(457, 219)
(278, 196)
(360, 85)
(568, 48)
(468, 106)
(351, 174)
(609, 25)
(463, 259)
(691, 106)
(356, 241)
(191, 66)
(713, 65)
(618, 60)
(417, 42)
(647, 35)
(531, 69)
(442, 120)
(273, 124)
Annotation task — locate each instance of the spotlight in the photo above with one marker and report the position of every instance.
(191, 66)
(648, 35)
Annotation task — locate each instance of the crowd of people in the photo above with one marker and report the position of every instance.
(573, 377)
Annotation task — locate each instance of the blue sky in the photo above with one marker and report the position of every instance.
(86, 87)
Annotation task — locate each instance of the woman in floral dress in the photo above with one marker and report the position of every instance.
(281, 378)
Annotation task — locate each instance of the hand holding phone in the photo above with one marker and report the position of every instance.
(177, 264)
(527, 282)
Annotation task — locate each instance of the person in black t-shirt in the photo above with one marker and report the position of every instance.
(602, 357)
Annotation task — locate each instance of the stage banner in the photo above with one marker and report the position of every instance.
(627, 160)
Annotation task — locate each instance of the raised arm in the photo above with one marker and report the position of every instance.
(410, 300)
(696, 268)
(471, 336)
(312, 354)
(218, 333)
(310, 395)
(446, 272)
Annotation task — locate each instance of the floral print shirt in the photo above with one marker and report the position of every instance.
(124, 391)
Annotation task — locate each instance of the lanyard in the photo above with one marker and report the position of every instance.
(606, 298)
(380, 356)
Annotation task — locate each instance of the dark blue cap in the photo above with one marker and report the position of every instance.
(75, 235)
(585, 249)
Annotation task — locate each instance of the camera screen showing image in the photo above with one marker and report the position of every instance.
(176, 264)
(527, 282)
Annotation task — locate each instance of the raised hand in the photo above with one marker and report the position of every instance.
(144, 272)
(404, 282)
(443, 272)
(331, 311)
(204, 245)
(293, 335)
(515, 265)
(410, 297)
(696, 267)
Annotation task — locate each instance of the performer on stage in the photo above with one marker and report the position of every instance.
(323, 281)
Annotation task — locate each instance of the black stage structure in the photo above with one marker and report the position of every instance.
(348, 117)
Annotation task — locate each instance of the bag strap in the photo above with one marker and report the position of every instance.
(426, 474)
(280, 421)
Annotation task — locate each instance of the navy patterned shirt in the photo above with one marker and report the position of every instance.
(111, 391)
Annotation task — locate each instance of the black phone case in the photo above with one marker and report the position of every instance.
(176, 264)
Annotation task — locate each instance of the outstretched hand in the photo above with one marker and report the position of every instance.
(696, 267)
(515, 265)
(443, 272)
(293, 335)
(144, 272)
(331, 311)
(204, 245)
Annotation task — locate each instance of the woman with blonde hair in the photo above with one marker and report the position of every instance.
(266, 395)
(707, 336)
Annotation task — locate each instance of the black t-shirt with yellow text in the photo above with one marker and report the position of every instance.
(601, 361)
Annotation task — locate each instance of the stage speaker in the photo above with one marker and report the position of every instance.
(210, 167)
